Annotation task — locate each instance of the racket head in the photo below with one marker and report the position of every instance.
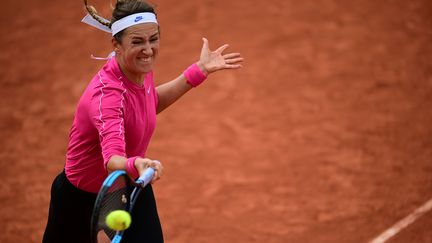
(113, 195)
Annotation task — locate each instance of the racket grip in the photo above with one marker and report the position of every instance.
(116, 239)
(146, 177)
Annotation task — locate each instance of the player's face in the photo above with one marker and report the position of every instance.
(138, 49)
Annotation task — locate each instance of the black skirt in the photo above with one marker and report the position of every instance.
(71, 209)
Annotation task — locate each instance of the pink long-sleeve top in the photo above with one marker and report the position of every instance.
(114, 116)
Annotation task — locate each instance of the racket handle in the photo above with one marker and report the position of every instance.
(146, 177)
(116, 239)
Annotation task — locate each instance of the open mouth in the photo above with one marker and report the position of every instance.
(144, 59)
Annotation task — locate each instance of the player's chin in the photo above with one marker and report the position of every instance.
(145, 68)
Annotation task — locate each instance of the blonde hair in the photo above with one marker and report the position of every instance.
(121, 9)
(93, 12)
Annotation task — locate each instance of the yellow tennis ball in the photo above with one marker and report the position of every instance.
(118, 220)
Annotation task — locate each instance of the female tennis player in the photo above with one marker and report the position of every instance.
(115, 119)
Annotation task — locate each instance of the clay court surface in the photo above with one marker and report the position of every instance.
(325, 135)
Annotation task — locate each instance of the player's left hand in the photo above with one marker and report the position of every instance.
(211, 61)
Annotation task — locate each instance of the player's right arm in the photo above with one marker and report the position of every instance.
(107, 115)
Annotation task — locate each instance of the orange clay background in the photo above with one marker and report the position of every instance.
(325, 135)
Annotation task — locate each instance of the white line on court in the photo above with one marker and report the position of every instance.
(392, 231)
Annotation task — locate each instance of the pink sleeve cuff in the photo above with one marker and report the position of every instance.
(131, 169)
(194, 75)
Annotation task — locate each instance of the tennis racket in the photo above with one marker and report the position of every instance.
(114, 195)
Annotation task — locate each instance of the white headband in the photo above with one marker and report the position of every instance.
(132, 20)
(121, 24)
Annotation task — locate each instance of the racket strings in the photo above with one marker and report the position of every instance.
(115, 198)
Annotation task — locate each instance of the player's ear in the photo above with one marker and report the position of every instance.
(116, 44)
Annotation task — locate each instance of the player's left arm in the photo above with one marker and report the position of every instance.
(210, 61)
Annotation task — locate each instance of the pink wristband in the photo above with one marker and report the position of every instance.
(131, 169)
(194, 75)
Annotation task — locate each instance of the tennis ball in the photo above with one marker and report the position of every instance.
(118, 220)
